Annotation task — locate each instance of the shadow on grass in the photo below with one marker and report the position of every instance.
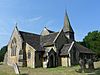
(90, 72)
(96, 72)
(24, 74)
(85, 71)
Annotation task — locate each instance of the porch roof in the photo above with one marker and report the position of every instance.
(64, 50)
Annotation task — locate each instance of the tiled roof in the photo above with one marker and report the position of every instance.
(67, 26)
(48, 39)
(38, 42)
(64, 50)
(31, 39)
(83, 49)
(76, 46)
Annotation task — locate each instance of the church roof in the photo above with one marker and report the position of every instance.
(38, 41)
(83, 49)
(31, 39)
(48, 39)
(76, 46)
(67, 26)
(64, 50)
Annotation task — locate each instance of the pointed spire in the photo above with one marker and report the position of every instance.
(67, 26)
(16, 25)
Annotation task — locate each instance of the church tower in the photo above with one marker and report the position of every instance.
(67, 28)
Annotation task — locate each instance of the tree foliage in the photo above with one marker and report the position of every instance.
(2, 53)
(92, 41)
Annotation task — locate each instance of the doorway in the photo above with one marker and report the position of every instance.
(52, 61)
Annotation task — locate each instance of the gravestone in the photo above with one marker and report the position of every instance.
(81, 63)
(90, 64)
(16, 68)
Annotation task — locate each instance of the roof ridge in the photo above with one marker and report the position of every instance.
(51, 34)
(29, 33)
(71, 46)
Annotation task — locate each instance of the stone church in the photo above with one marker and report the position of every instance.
(49, 49)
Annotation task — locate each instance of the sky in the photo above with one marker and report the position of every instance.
(33, 15)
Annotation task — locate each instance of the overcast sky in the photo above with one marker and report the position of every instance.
(34, 15)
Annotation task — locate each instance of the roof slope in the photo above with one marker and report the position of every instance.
(64, 50)
(76, 46)
(48, 39)
(31, 39)
(83, 49)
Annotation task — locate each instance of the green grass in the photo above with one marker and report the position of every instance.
(1, 63)
(7, 70)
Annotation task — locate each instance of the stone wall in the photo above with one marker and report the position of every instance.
(14, 59)
(38, 59)
(64, 61)
(31, 60)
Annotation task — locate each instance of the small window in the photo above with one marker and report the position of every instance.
(29, 54)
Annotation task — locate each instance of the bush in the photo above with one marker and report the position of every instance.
(2, 53)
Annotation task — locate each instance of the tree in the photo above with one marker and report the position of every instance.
(92, 41)
(2, 53)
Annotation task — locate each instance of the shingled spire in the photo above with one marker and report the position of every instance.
(67, 27)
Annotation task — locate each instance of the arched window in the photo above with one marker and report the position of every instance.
(13, 47)
(29, 54)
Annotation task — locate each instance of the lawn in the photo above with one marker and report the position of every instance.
(7, 70)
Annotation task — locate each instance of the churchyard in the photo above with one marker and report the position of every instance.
(8, 70)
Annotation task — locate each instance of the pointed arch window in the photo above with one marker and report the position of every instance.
(29, 54)
(13, 47)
